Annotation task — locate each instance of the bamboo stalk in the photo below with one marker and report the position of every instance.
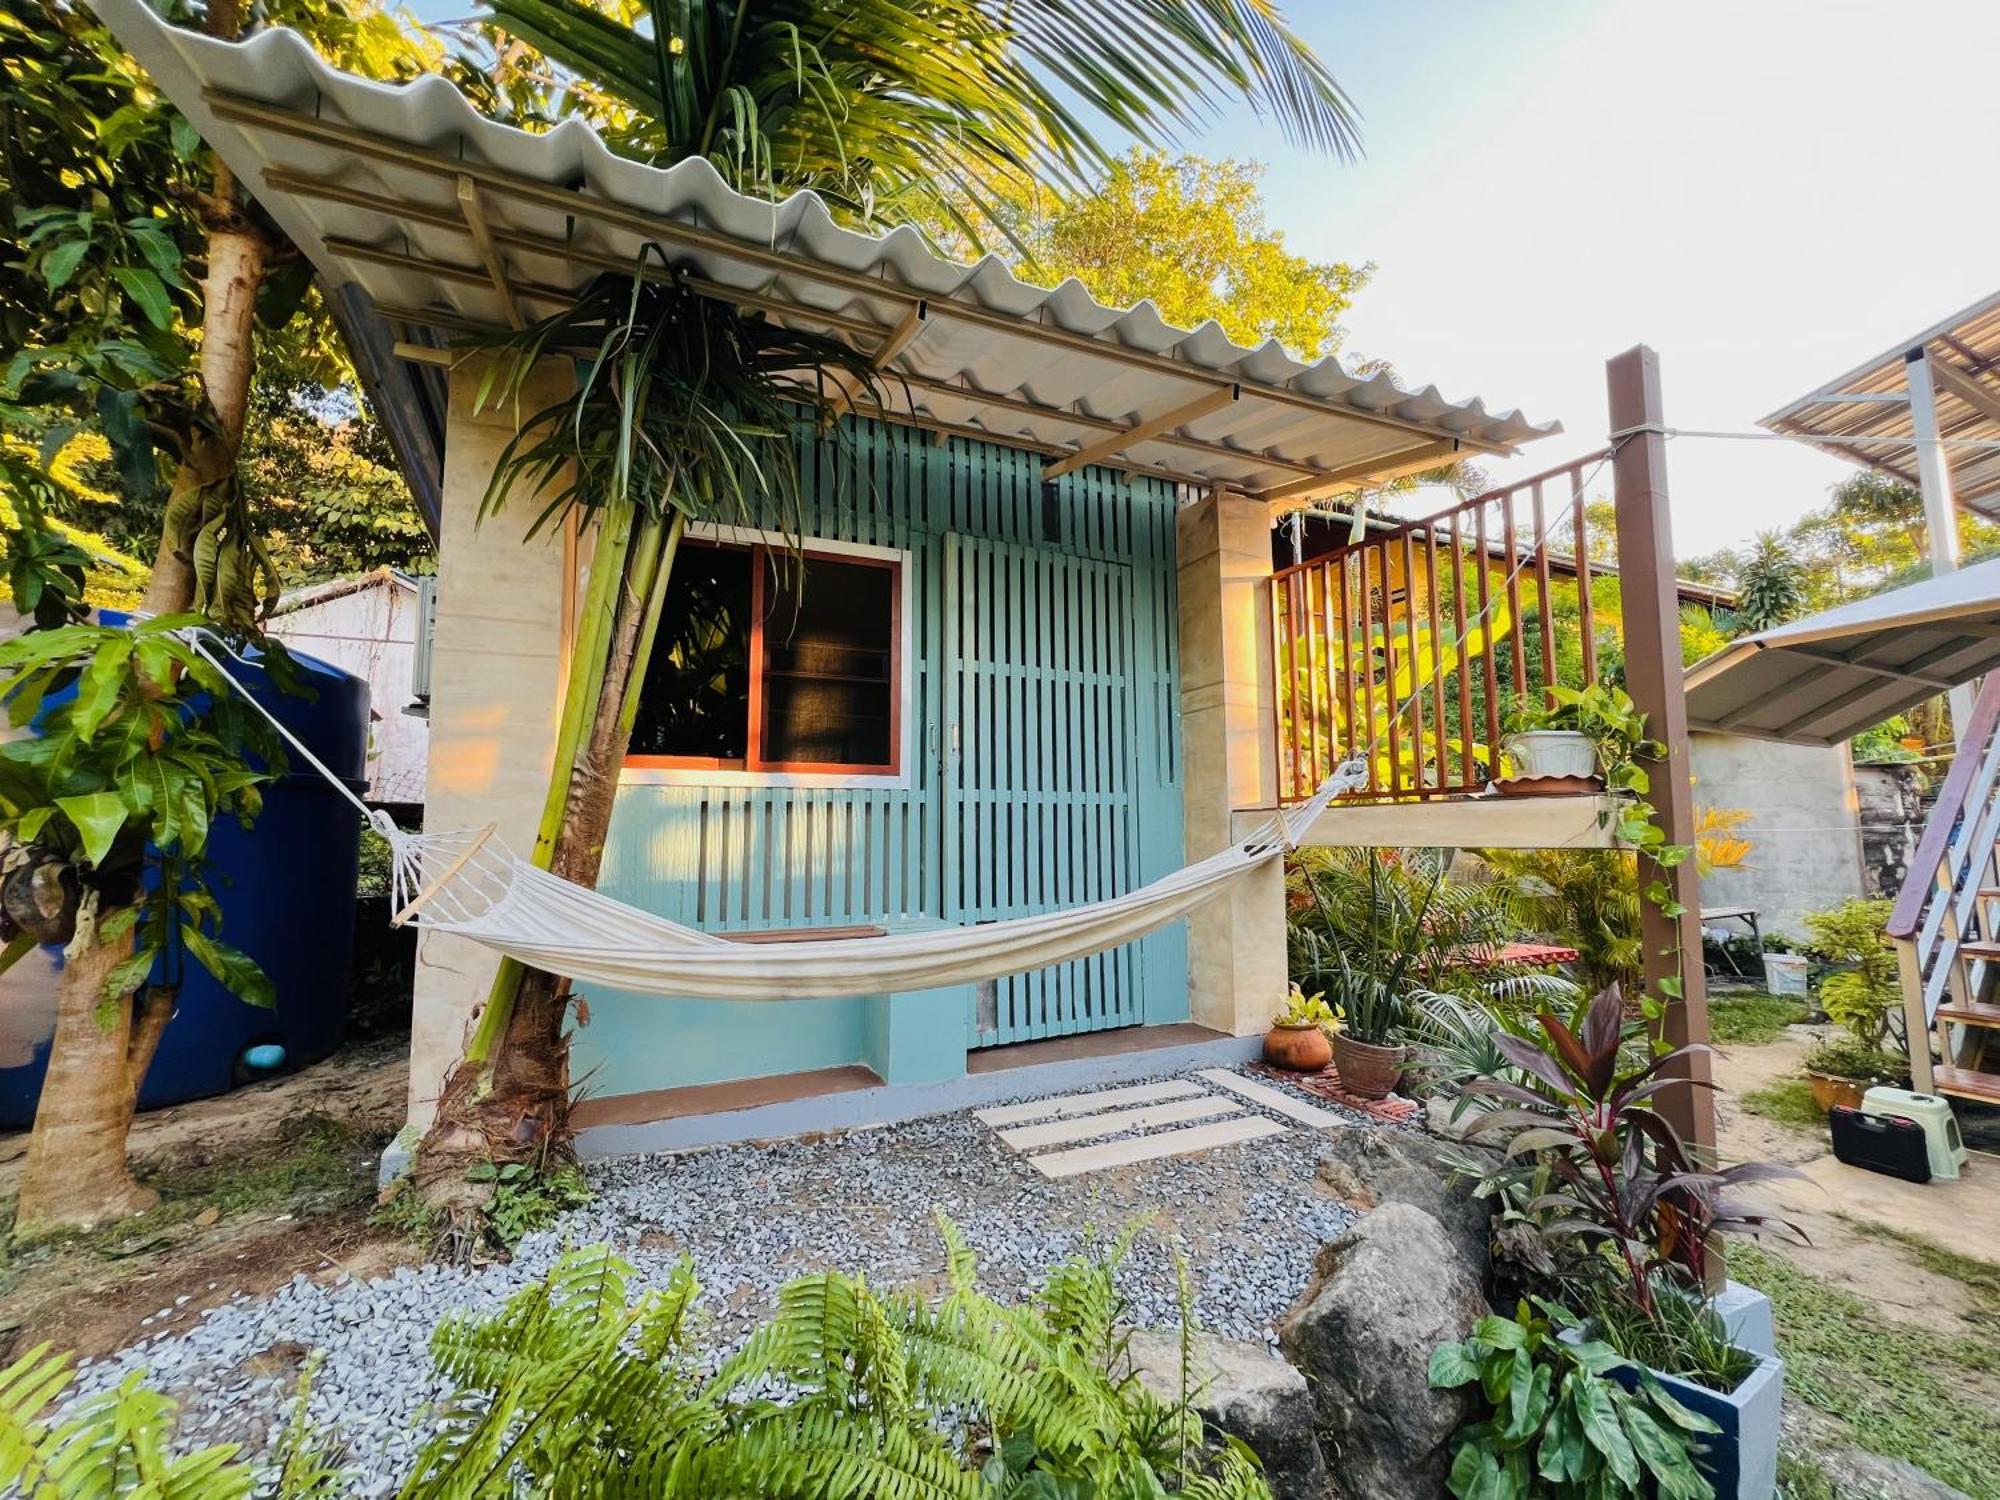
(586, 681)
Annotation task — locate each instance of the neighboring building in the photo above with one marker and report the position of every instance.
(368, 626)
(1803, 826)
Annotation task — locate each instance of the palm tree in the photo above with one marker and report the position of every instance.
(895, 111)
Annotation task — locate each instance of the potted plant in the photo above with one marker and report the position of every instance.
(1840, 1070)
(1368, 1050)
(1610, 1214)
(1576, 733)
(1300, 1035)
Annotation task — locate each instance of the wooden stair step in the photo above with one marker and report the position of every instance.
(1965, 1083)
(1978, 1013)
(1989, 951)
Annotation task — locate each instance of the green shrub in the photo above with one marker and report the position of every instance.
(1557, 1425)
(1864, 990)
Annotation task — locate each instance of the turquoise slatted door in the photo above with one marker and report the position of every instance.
(1041, 769)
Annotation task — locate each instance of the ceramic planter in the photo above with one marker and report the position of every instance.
(1303, 1049)
(1368, 1068)
(1552, 752)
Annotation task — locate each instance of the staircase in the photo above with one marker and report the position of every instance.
(1946, 925)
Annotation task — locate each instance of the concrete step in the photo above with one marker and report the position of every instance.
(1084, 1104)
(1151, 1147)
(1113, 1122)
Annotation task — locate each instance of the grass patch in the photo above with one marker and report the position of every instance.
(1748, 1018)
(1903, 1392)
(1801, 1478)
(1789, 1101)
(316, 1165)
(1980, 1278)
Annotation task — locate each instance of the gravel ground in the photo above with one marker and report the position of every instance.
(1247, 1218)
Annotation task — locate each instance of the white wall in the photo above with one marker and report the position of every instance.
(1804, 826)
(371, 632)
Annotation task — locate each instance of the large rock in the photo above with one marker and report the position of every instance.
(1817, 1440)
(1386, 1294)
(1246, 1391)
(1369, 1166)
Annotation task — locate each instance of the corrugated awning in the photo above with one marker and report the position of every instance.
(1824, 679)
(1850, 416)
(450, 220)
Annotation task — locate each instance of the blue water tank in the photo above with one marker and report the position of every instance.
(286, 886)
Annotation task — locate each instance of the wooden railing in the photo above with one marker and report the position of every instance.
(1939, 909)
(1413, 642)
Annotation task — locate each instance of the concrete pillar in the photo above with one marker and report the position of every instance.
(496, 690)
(1236, 943)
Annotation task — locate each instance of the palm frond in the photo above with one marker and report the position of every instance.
(896, 110)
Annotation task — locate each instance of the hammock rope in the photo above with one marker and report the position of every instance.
(471, 884)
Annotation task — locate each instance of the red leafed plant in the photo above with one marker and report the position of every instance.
(1615, 1172)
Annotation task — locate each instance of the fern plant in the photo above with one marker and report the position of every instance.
(575, 1388)
(119, 1443)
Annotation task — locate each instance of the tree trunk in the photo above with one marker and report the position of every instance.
(507, 1099)
(238, 254)
(76, 1175)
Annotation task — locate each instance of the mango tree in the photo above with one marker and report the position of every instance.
(137, 747)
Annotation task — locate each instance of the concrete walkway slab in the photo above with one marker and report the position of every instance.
(1115, 1121)
(1151, 1147)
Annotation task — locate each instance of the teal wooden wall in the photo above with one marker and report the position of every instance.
(1045, 631)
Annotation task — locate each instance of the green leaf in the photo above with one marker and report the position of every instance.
(29, 825)
(130, 973)
(98, 690)
(1452, 1365)
(1665, 1456)
(235, 970)
(1500, 1333)
(1597, 1410)
(149, 292)
(61, 263)
(97, 816)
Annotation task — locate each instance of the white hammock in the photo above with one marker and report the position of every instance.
(472, 886)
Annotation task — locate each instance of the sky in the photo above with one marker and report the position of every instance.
(1768, 192)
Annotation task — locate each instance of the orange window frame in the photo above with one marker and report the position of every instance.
(753, 761)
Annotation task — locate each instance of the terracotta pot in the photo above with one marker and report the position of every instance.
(1303, 1049)
(1828, 1090)
(1368, 1068)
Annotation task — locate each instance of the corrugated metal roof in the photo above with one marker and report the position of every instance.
(373, 182)
(1824, 679)
(1966, 346)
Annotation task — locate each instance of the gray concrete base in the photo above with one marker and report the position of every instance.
(891, 1103)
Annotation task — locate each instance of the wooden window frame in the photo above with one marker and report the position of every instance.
(753, 769)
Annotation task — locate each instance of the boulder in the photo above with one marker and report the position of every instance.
(1369, 1166)
(1385, 1294)
(1243, 1389)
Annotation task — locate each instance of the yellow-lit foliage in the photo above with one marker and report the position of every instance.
(115, 580)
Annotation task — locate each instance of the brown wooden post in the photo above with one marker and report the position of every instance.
(1653, 677)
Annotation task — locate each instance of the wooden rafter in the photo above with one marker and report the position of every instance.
(1139, 432)
(1284, 498)
(1980, 397)
(482, 240)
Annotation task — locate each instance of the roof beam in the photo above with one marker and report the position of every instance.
(1139, 432)
(1300, 493)
(482, 240)
(575, 204)
(909, 328)
(1955, 382)
(1899, 674)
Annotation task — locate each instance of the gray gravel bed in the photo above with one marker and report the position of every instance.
(1247, 1218)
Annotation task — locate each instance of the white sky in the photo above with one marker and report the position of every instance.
(1767, 191)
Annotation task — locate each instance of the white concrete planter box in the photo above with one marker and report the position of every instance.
(1552, 752)
(1741, 1460)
